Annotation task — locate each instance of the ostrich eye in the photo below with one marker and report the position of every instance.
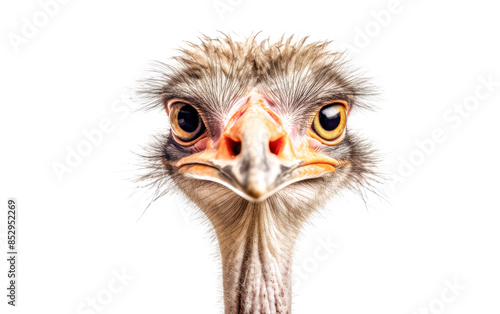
(330, 121)
(186, 122)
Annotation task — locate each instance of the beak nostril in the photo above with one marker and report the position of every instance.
(276, 146)
(233, 147)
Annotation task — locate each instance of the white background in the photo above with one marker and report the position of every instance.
(440, 222)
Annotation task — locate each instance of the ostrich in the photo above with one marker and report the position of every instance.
(258, 142)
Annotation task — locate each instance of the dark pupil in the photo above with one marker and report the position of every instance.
(188, 118)
(329, 117)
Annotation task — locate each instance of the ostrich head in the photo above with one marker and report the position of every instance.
(258, 140)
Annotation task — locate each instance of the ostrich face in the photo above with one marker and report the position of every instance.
(258, 140)
(259, 151)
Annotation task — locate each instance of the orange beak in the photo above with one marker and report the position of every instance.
(255, 157)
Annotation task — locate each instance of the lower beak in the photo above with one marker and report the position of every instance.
(255, 157)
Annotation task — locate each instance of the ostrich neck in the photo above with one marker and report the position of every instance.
(256, 242)
(256, 259)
